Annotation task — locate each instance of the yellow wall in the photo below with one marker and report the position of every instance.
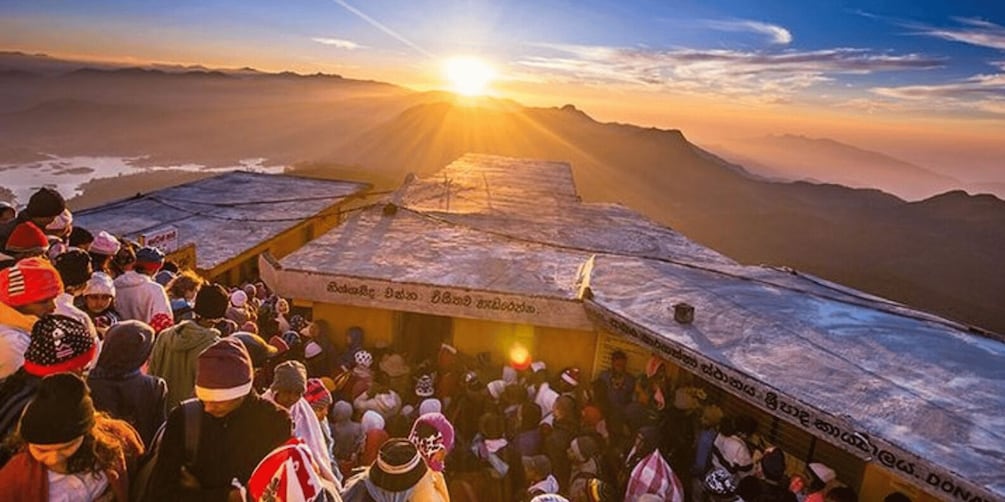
(377, 324)
(878, 483)
(558, 347)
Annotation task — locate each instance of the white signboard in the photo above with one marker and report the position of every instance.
(163, 238)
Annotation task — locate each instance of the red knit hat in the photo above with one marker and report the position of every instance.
(29, 281)
(58, 344)
(224, 371)
(27, 238)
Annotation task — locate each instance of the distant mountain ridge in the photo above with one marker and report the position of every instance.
(941, 254)
(794, 157)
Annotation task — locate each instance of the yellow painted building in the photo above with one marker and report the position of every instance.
(494, 253)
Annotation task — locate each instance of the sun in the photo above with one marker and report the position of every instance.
(468, 76)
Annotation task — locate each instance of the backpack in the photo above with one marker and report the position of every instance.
(192, 419)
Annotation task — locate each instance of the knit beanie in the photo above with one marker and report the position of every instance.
(431, 405)
(64, 220)
(100, 283)
(60, 412)
(29, 281)
(27, 238)
(398, 467)
(80, 237)
(432, 433)
(317, 395)
(290, 376)
(211, 302)
(571, 376)
(149, 259)
(424, 386)
(58, 344)
(45, 203)
(74, 267)
(127, 345)
(105, 244)
(224, 371)
(238, 298)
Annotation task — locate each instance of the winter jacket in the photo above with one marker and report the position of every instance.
(25, 479)
(139, 297)
(619, 392)
(175, 356)
(430, 488)
(528, 443)
(229, 448)
(555, 447)
(119, 388)
(15, 334)
(348, 435)
(15, 393)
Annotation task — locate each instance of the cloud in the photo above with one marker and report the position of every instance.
(757, 75)
(971, 31)
(338, 43)
(984, 92)
(777, 34)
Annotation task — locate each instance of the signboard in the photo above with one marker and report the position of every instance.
(163, 238)
(426, 299)
(836, 431)
(184, 257)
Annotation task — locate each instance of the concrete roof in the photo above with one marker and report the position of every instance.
(923, 389)
(224, 215)
(916, 393)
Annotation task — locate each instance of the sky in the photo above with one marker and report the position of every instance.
(922, 79)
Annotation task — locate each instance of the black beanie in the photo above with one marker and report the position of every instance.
(45, 203)
(61, 411)
(74, 267)
(80, 237)
(211, 302)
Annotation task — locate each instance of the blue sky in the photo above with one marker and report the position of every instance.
(909, 59)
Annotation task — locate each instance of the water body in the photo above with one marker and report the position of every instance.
(67, 174)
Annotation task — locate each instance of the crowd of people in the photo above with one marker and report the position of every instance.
(124, 378)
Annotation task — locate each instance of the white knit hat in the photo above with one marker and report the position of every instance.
(238, 298)
(62, 221)
(100, 284)
(105, 244)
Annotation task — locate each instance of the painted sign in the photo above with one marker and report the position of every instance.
(836, 431)
(429, 299)
(163, 238)
(184, 257)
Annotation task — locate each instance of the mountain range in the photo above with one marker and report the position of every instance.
(942, 253)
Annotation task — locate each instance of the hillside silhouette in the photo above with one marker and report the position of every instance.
(941, 254)
(793, 157)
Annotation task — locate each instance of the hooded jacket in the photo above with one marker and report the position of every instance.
(140, 298)
(175, 356)
(15, 334)
(119, 388)
(229, 447)
(348, 435)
